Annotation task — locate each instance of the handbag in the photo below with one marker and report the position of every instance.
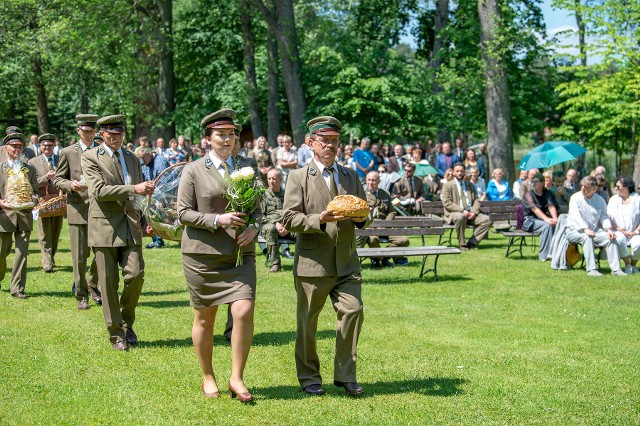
(573, 254)
(51, 205)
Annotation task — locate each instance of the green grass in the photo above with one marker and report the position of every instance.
(496, 341)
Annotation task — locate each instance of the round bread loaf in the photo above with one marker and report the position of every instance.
(349, 205)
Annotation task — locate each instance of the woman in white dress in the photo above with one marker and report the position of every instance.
(624, 213)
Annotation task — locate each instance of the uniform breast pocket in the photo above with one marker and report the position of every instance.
(101, 214)
(308, 244)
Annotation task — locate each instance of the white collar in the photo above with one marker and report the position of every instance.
(321, 166)
(217, 161)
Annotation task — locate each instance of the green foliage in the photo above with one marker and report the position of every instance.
(602, 101)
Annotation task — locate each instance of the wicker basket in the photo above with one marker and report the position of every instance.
(52, 205)
(166, 231)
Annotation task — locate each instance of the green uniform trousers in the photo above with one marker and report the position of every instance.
(80, 253)
(119, 312)
(19, 270)
(48, 236)
(345, 293)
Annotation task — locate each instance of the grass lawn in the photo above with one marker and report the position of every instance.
(496, 341)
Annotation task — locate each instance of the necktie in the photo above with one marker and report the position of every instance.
(116, 160)
(413, 190)
(333, 189)
(225, 166)
(462, 204)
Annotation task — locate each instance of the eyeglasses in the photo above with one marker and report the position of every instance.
(535, 181)
(327, 141)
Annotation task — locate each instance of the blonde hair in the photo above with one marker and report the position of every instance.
(497, 169)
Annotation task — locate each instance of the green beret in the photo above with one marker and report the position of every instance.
(238, 129)
(112, 123)
(13, 129)
(222, 119)
(87, 121)
(325, 126)
(46, 137)
(14, 137)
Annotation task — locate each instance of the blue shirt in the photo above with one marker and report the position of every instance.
(154, 168)
(364, 158)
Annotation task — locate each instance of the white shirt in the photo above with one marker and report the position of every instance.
(462, 186)
(626, 216)
(125, 171)
(218, 163)
(325, 175)
(588, 213)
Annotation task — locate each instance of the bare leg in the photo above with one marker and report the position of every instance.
(241, 339)
(202, 335)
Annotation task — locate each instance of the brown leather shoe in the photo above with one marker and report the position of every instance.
(83, 304)
(210, 394)
(130, 336)
(352, 388)
(463, 247)
(275, 268)
(120, 345)
(19, 295)
(96, 299)
(242, 397)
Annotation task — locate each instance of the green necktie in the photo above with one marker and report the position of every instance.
(225, 166)
(333, 189)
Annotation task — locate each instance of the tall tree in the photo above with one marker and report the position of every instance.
(499, 138)
(281, 20)
(273, 92)
(166, 76)
(250, 69)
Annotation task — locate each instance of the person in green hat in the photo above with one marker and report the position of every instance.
(15, 224)
(326, 262)
(48, 227)
(115, 227)
(70, 178)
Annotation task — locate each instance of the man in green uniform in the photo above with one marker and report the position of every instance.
(272, 227)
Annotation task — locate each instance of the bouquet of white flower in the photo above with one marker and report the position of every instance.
(244, 193)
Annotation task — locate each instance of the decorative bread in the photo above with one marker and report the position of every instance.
(349, 205)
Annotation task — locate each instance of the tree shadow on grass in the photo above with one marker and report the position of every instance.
(165, 303)
(63, 294)
(412, 279)
(36, 250)
(431, 386)
(66, 268)
(170, 343)
(279, 338)
(164, 293)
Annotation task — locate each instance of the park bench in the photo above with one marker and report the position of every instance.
(407, 226)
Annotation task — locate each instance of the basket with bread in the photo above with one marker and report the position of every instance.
(349, 206)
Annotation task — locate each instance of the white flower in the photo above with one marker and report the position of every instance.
(247, 173)
(236, 176)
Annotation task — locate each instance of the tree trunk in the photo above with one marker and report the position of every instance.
(250, 70)
(636, 159)
(41, 96)
(500, 144)
(441, 21)
(273, 85)
(283, 24)
(166, 78)
(581, 34)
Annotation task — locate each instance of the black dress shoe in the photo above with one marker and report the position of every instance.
(287, 254)
(375, 264)
(352, 388)
(314, 389)
(96, 298)
(19, 295)
(73, 289)
(83, 304)
(130, 336)
(386, 263)
(120, 345)
(48, 269)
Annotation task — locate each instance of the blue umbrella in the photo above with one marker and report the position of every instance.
(551, 153)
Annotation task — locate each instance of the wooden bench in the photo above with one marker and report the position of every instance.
(517, 239)
(423, 251)
(404, 226)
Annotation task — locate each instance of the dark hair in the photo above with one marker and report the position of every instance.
(558, 174)
(628, 183)
(458, 164)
